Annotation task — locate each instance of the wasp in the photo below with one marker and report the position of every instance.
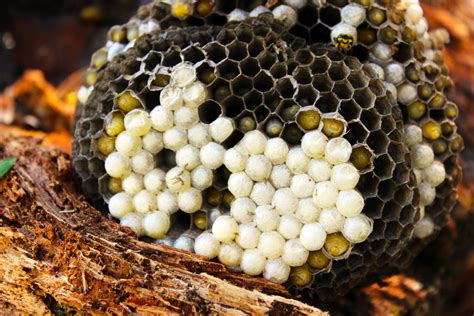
(344, 42)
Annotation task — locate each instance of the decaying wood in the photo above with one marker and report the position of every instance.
(59, 254)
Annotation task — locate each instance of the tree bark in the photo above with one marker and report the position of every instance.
(58, 254)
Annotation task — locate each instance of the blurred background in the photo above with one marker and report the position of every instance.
(45, 45)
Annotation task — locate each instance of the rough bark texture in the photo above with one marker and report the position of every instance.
(59, 254)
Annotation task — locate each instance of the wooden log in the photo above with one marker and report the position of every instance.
(58, 254)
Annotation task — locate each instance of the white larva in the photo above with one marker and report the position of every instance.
(338, 150)
(117, 165)
(406, 94)
(262, 193)
(353, 14)
(183, 75)
(307, 211)
(259, 10)
(240, 184)
(276, 270)
(254, 142)
(84, 93)
(382, 52)
(237, 15)
(297, 4)
(201, 178)
(175, 138)
(285, 201)
(350, 203)
(394, 73)
(434, 174)
(137, 122)
(413, 135)
(276, 150)
(271, 244)
(178, 179)
(128, 144)
(187, 157)
(258, 168)
(120, 205)
(184, 243)
(325, 194)
(248, 236)
(422, 156)
(427, 194)
(161, 119)
(190, 201)
(266, 218)
(319, 170)
(185, 117)
(206, 245)
(331, 220)
(198, 135)
(379, 72)
(171, 98)
(289, 226)
(345, 176)
(142, 162)
(357, 229)
(133, 183)
(253, 263)
(413, 14)
(297, 161)
(167, 202)
(286, 15)
(225, 228)
(280, 177)
(313, 236)
(221, 129)
(133, 221)
(156, 224)
(153, 142)
(314, 144)
(144, 202)
(194, 95)
(242, 210)
(234, 160)
(154, 181)
(294, 253)
(424, 228)
(212, 155)
(230, 254)
(302, 186)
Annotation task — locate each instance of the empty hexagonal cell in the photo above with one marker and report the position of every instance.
(96, 167)
(256, 46)
(81, 167)
(356, 133)
(237, 50)
(373, 207)
(193, 54)
(209, 111)
(327, 102)
(271, 99)
(378, 246)
(244, 33)
(220, 89)
(408, 215)
(266, 59)
(393, 247)
(377, 87)
(338, 71)
(306, 95)
(278, 70)
(358, 79)
(232, 106)
(384, 167)
(370, 119)
(361, 52)
(387, 189)
(364, 97)
(302, 75)
(404, 53)
(388, 124)
(343, 90)
(215, 52)
(292, 134)
(249, 67)
(394, 229)
(221, 176)
(233, 139)
(304, 56)
(171, 58)
(152, 59)
(263, 81)
(226, 36)
(404, 194)
(301, 30)
(322, 82)
(286, 87)
(320, 65)
(253, 99)
(308, 15)
(165, 159)
(330, 16)
(383, 105)
(320, 33)
(118, 85)
(85, 146)
(367, 185)
(241, 85)
(349, 109)
(261, 113)
(90, 187)
(228, 69)
(401, 173)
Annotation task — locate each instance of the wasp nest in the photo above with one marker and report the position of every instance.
(241, 139)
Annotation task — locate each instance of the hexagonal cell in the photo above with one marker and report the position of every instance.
(356, 133)
(209, 111)
(320, 33)
(271, 99)
(361, 53)
(233, 139)
(338, 71)
(171, 58)
(81, 166)
(118, 85)
(96, 167)
(220, 90)
(358, 79)
(253, 99)
(228, 69)
(322, 83)
(90, 186)
(215, 52)
(241, 85)
(237, 50)
(377, 235)
(304, 56)
(364, 97)
(266, 59)
(256, 46)
(387, 190)
(366, 35)
(261, 113)
(278, 70)
(404, 53)
(286, 87)
(384, 167)
(232, 106)
(368, 185)
(393, 247)
(306, 95)
(383, 105)
(244, 33)
(302, 75)
(370, 119)
(330, 16)
(84, 146)
(308, 15)
(378, 141)
(349, 109)
(292, 134)
(263, 81)
(206, 73)
(273, 126)
(226, 36)
(249, 67)
(327, 103)
(343, 90)
(394, 229)
(165, 159)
